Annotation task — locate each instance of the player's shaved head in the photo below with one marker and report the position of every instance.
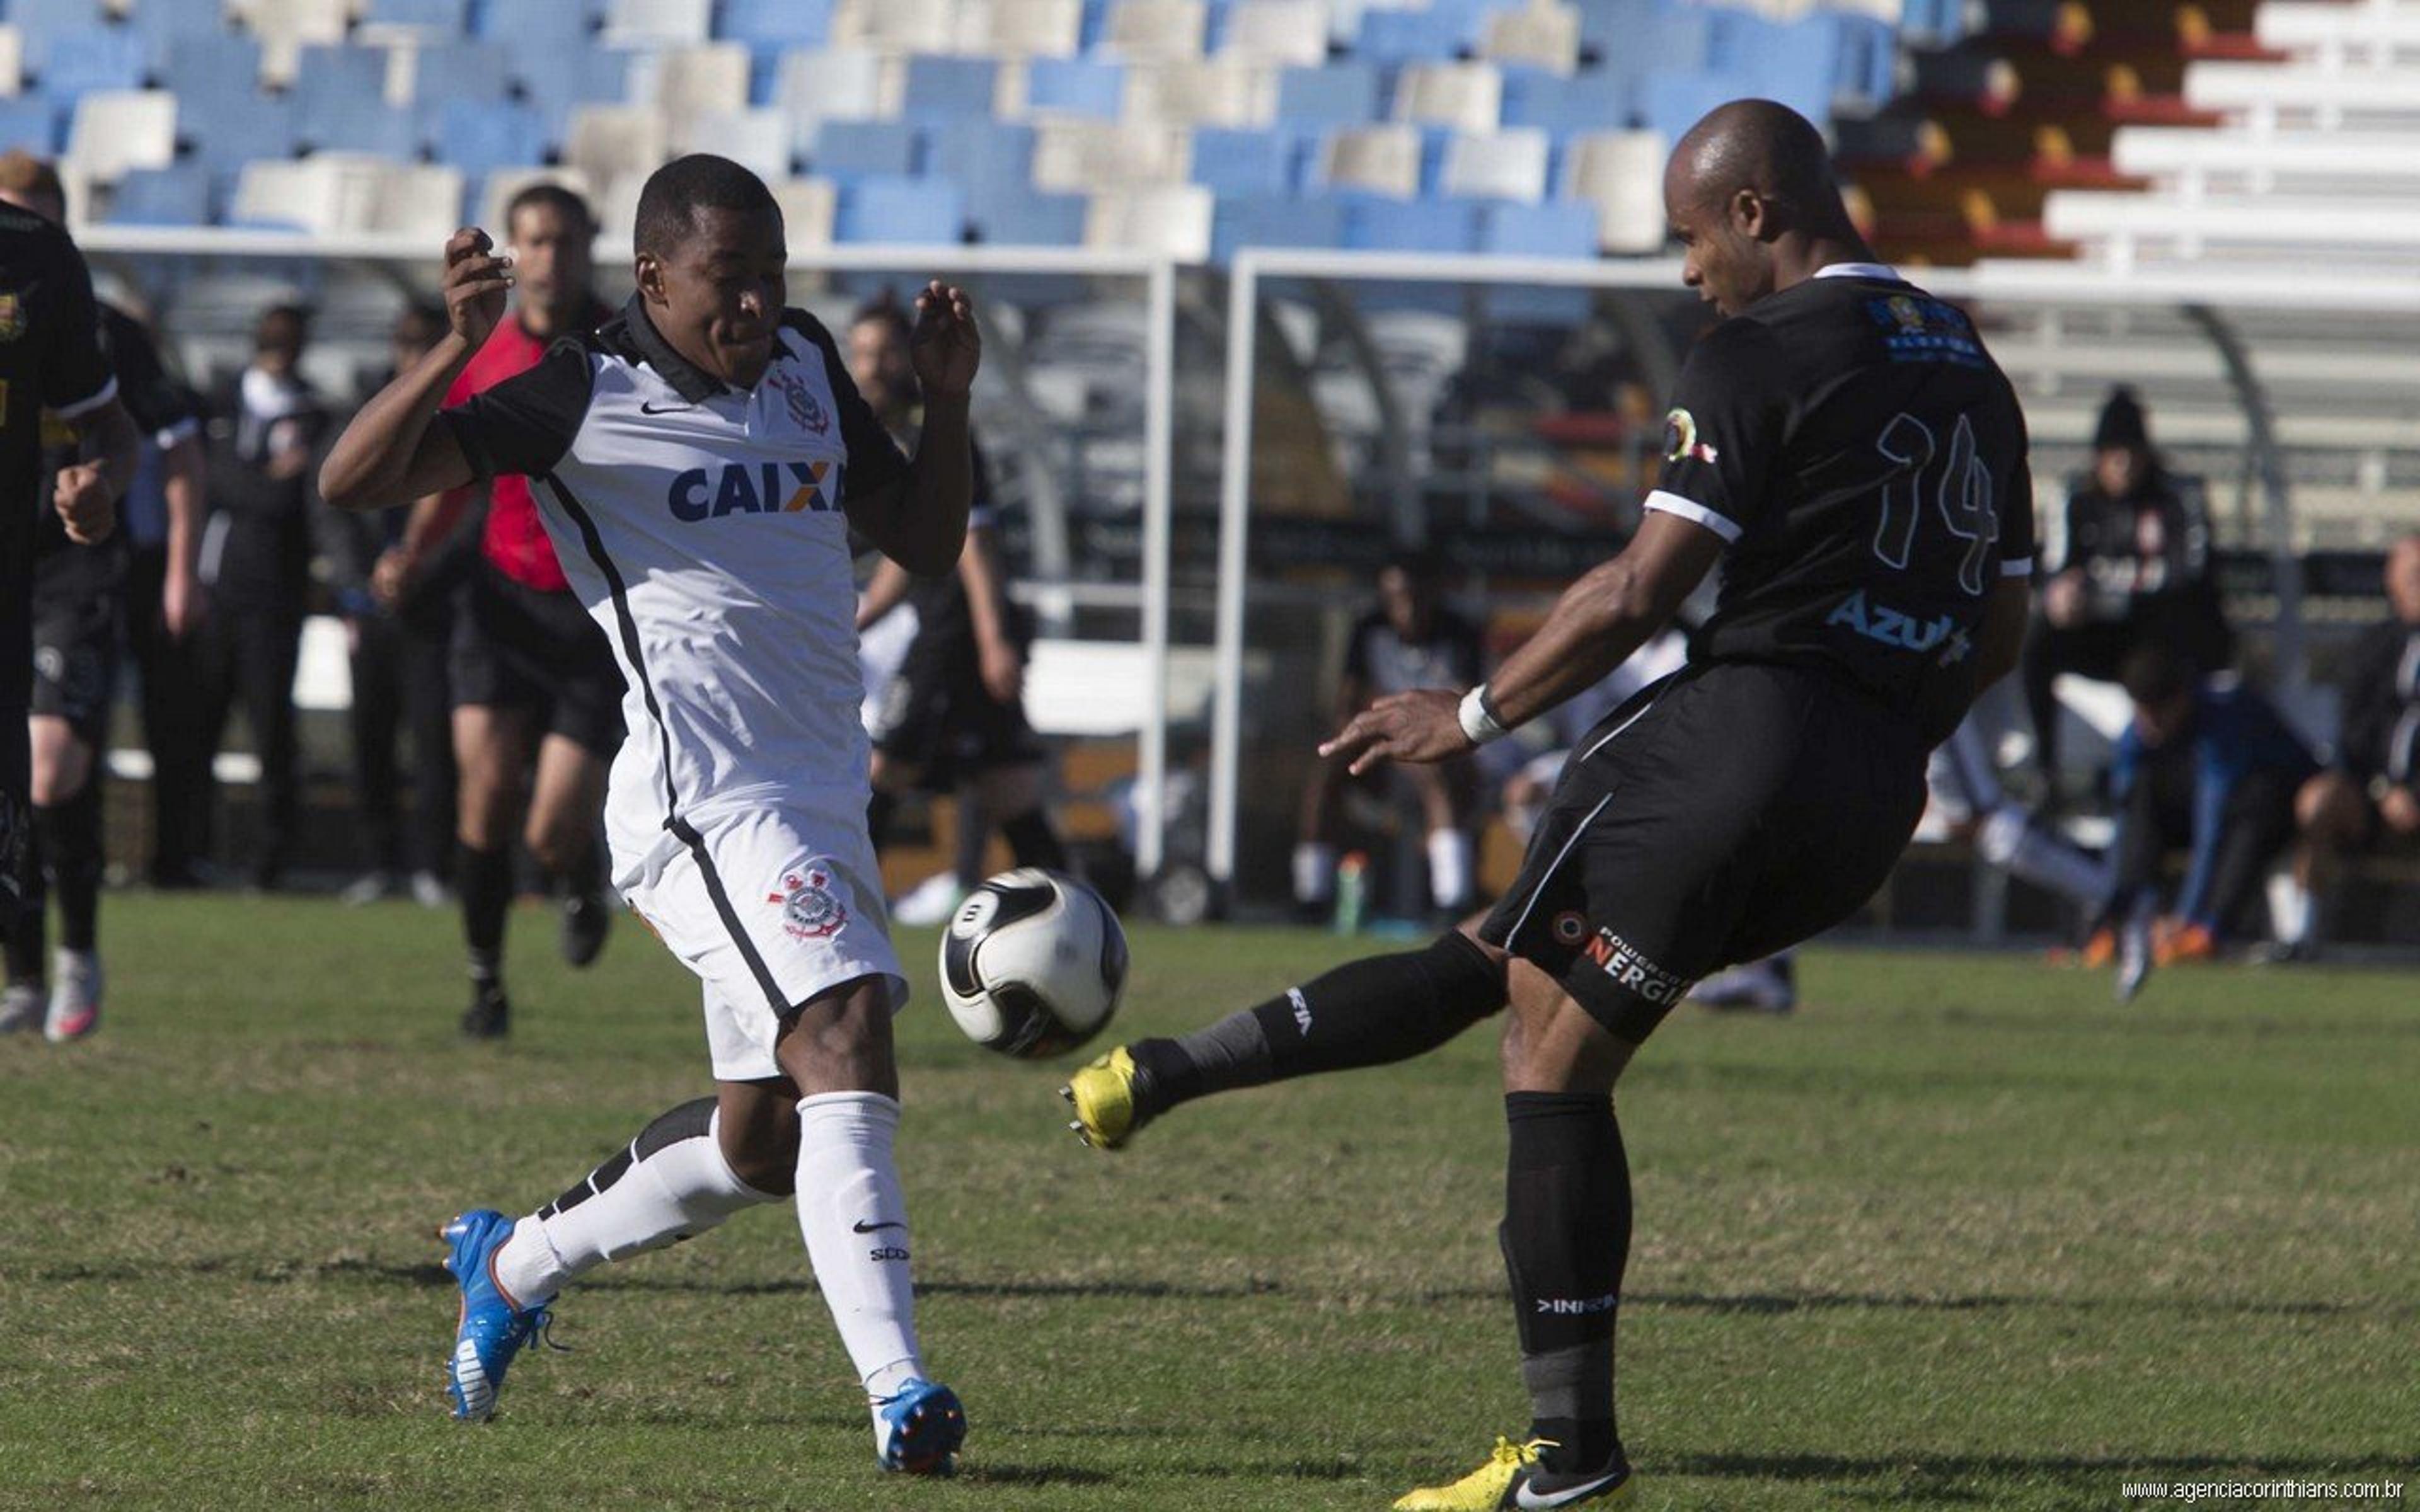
(678, 191)
(1751, 198)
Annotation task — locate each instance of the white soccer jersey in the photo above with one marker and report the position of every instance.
(701, 527)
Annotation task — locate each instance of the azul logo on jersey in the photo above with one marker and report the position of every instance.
(755, 489)
(1901, 630)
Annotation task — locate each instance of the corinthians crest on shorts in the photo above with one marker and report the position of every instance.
(811, 909)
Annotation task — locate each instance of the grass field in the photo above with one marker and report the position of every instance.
(1959, 1234)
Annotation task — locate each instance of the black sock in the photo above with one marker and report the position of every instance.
(879, 810)
(486, 880)
(23, 934)
(1032, 841)
(972, 837)
(585, 876)
(70, 837)
(1566, 1239)
(1368, 1012)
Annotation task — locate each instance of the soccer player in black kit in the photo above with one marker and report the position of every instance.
(50, 359)
(1843, 442)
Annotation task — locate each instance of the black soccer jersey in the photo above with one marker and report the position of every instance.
(49, 358)
(1865, 457)
(159, 409)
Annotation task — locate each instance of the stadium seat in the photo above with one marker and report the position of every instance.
(776, 25)
(166, 25)
(658, 24)
(1393, 38)
(809, 206)
(908, 212)
(111, 131)
(12, 62)
(1436, 226)
(994, 159)
(950, 89)
(1375, 159)
(1339, 94)
(758, 139)
(1670, 104)
(461, 68)
(1562, 228)
(103, 58)
(31, 122)
(1166, 219)
(238, 129)
(285, 27)
(896, 25)
(1214, 91)
(1257, 220)
(1034, 219)
(478, 136)
(1077, 156)
(1279, 32)
(1264, 162)
(209, 70)
(605, 141)
(551, 29)
(175, 195)
(1022, 28)
(1467, 97)
(1507, 165)
(1542, 34)
(850, 151)
(1150, 30)
(1583, 102)
(1622, 174)
(497, 193)
(833, 83)
(692, 80)
(1073, 87)
(441, 18)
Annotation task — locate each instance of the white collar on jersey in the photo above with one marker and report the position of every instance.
(1881, 270)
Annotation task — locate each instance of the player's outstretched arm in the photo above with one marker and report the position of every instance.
(391, 454)
(923, 525)
(1595, 625)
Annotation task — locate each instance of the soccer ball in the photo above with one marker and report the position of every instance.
(1032, 963)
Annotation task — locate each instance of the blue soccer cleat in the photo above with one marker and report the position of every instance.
(918, 1430)
(492, 1330)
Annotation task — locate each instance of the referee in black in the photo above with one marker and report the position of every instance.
(1844, 446)
(50, 359)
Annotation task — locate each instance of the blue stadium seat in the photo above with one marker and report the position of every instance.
(1446, 225)
(1394, 38)
(1245, 162)
(43, 22)
(1558, 229)
(587, 75)
(1251, 221)
(481, 136)
(770, 25)
(238, 129)
(949, 88)
(209, 68)
(923, 211)
(113, 57)
(1565, 105)
(330, 78)
(1638, 46)
(451, 17)
(367, 125)
(177, 195)
(461, 69)
(1340, 94)
(1075, 86)
(1670, 104)
(540, 28)
(991, 158)
(868, 149)
(1613, 28)
(33, 123)
(1793, 64)
(1032, 219)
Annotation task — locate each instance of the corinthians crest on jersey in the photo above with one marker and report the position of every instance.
(811, 909)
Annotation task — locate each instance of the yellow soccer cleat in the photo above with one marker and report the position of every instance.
(1103, 1094)
(1514, 1476)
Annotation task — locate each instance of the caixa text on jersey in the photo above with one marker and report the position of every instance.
(753, 489)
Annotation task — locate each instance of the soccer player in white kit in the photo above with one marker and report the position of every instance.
(699, 460)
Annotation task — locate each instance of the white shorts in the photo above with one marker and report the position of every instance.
(771, 907)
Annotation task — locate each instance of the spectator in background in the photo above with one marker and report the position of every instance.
(265, 433)
(1411, 640)
(2371, 796)
(78, 596)
(400, 641)
(2137, 568)
(2206, 766)
(954, 716)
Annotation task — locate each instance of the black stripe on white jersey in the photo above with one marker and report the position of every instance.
(594, 543)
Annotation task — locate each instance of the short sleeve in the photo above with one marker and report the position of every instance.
(525, 424)
(77, 379)
(160, 405)
(1723, 432)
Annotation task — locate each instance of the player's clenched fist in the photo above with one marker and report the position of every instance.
(82, 499)
(944, 345)
(475, 281)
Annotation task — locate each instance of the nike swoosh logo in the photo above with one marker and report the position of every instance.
(1569, 1495)
(864, 1228)
(645, 409)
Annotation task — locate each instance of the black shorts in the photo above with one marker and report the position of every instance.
(76, 615)
(941, 722)
(519, 647)
(1720, 815)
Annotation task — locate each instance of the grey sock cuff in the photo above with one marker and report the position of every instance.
(1229, 1054)
(1575, 1382)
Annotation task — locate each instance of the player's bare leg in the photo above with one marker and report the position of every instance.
(561, 833)
(1566, 1239)
(66, 863)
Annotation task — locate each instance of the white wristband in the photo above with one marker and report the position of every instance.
(1477, 722)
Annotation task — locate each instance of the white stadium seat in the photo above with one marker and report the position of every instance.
(837, 84)
(897, 25)
(1468, 97)
(1170, 220)
(605, 141)
(1377, 159)
(1011, 29)
(2198, 160)
(1291, 32)
(116, 130)
(505, 183)
(1077, 156)
(658, 23)
(2120, 226)
(1145, 29)
(808, 209)
(1220, 91)
(1506, 164)
(696, 81)
(1622, 174)
(2268, 93)
(285, 28)
(2373, 33)
(12, 62)
(1541, 35)
(759, 139)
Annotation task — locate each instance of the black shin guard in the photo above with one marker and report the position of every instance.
(1032, 841)
(25, 931)
(486, 880)
(68, 835)
(878, 812)
(1566, 1241)
(1368, 1012)
(693, 1119)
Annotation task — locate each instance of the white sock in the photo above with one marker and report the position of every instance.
(1450, 867)
(2293, 913)
(2011, 838)
(855, 1223)
(1314, 872)
(668, 1184)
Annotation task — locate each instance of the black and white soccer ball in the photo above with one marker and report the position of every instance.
(1032, 963)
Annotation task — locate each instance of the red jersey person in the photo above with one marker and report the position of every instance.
(538, 713)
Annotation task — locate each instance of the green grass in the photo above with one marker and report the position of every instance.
(1959, 1234)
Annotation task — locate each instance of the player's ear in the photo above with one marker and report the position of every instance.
(650, 271)
(1750, 216)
